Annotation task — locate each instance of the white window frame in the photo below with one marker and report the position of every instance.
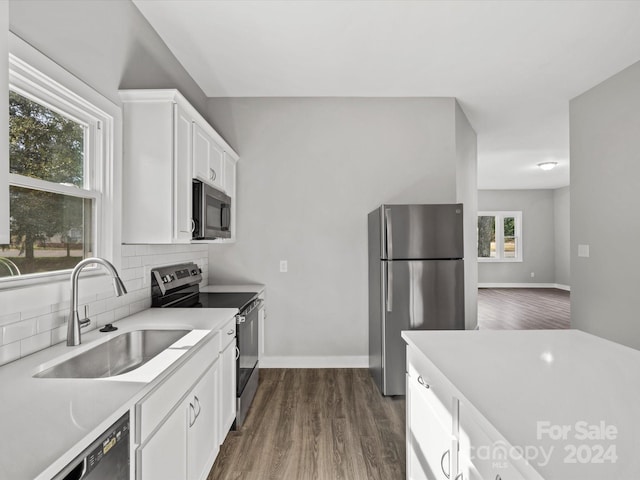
(499, 216)
(34, 76)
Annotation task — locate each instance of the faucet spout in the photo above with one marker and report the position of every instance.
(75, 324)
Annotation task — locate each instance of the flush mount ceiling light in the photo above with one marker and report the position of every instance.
(547, 165)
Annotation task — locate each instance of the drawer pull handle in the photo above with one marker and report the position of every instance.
(237, 353)
(192, 417)
(231, 332)
(197, 405)
(422, 382)
(442, 463)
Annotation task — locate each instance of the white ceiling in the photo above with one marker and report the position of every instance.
(513, 66)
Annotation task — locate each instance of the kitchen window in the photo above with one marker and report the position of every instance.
(60, 175)
(500, 236)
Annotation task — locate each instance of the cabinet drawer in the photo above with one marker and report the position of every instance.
(228, 333)
(420, 369)
(158, 403)
(481, 455)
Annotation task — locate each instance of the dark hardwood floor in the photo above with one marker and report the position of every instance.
(523, 308)
(324, 424)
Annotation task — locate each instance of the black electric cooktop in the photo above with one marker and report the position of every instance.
(237, 300)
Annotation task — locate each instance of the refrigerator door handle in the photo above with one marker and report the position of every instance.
(388, 233)
(389, 283)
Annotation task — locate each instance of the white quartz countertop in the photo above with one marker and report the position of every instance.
(46, 422)
(531, 384)
(257, 288)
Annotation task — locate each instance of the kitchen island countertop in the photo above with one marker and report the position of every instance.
(547, 389)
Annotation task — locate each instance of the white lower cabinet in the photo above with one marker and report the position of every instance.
(202, 429)
(228, 389)
(429, 439)
(480, 457)
(186, 444)
(154, 460)
(447, 438)
(182, 422)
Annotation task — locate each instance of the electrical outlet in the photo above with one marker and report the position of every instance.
(583, 251)
(533, 274)
(284, 266)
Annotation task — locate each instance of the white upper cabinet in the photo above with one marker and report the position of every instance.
(167, 144)
(4, 123)
(208, 158)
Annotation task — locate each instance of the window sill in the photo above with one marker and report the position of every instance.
(29, 280)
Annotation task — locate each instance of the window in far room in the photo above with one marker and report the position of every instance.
(500, 236)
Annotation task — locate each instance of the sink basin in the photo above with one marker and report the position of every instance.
(119, 355)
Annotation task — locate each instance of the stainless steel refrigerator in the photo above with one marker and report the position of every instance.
(416, 282)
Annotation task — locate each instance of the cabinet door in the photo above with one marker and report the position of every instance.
(481, 457)
(182, 224)
(429, 434)
(227, 391)
(165, 454)
(202, 439)
(208, 158)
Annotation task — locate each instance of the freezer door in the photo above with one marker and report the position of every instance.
(422, 232)
(418, 295)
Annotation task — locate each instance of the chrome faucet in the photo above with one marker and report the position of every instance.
(75, 324)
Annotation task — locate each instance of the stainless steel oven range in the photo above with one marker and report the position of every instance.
(177, 286)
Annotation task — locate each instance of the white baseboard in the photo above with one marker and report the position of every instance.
(356, 361)
(525, 285)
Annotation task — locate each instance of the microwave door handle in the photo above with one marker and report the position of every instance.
(225, 213)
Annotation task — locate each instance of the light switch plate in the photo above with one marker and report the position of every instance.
(284, 266)
(583, 250)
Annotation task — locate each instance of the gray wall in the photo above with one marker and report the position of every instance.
(538, 241)
(310, 172)
(107, 44)
(605, 184)
(467, 194)
(562, 226)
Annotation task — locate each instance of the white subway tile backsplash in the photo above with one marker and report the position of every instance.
(59, 335)
(104, 318)
(50, 321)
(142, 250)
(28, 327)
(98, 307)
(35, 343)
(19, 330)
(35, 312)
(139, 306)
(10, 318)
(9, 352)
(121, 312)
(133, 262)
(133, 285)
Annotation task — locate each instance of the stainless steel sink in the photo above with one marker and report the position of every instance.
(119, 355)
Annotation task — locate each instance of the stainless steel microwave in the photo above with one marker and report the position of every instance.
(211, 212)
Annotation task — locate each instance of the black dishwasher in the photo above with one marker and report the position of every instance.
(107, 458)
